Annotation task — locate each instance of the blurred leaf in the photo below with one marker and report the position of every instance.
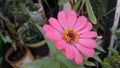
(118, 58)
(43, 63)
(100, 48)
(90, 12)
(5, 8)
(85, 58)
(107, 65)
(115, 52)
(89, 63)
(51, 64)
(118, 33)
(1, 59)
(1, 15)
(114, 58)
(6, 39)
(3, 38)
(66, 62)
(50, 43)
(62, 2)
(34, 64)
(62, 65)
(107, 60)
(23, 8)
(15, 6)
(11, 27)
(77, 4)
(97, 58)
(14, 46)
(117, 42)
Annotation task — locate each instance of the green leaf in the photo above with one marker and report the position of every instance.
(10, 26)
(3, 38)
(66, 62)
(118, 33)
(23, 8)
(1, 59)
(107, 60)
(115, 52)
(51, 64)
(6, 39)
(106, 65)
(100, 48)
(34, 64)
(97, 58)
(91, 15)
(43, 63)
(62, 2)
(14, 46)
(77, 4)
(62, 65)
(89, 63)
(117, 42)
(114, 58)
(50, 43)
(1, 15)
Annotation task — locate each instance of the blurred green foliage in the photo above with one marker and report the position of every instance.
(99, 8)
(113, 61)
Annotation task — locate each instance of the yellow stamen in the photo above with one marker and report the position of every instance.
(70, 35)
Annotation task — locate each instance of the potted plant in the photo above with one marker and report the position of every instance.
(18, 53)
(33, 39)
(36, 10)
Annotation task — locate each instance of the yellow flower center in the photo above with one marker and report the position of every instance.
(70, 35)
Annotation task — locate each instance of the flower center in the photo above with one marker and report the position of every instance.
(70, 35)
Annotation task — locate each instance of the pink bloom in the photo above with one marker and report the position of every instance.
(72, 34)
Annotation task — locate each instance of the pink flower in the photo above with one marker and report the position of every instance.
(72, 34)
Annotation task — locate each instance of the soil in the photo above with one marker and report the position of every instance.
(16, 55)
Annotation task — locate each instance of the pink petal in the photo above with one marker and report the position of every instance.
(52, 34)
(62, 16)
(90, 43)
(55, 24)
(87, 28)
(71, 18)
(81, 22)
(61, 44)
(69, 52)
(46, 27)
(91, 34)
(77, 57)
(89, 52)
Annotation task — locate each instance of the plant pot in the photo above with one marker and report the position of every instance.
(37, 44)
(40, 52)
(39, 14)
(38, 49)
(27, 57)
